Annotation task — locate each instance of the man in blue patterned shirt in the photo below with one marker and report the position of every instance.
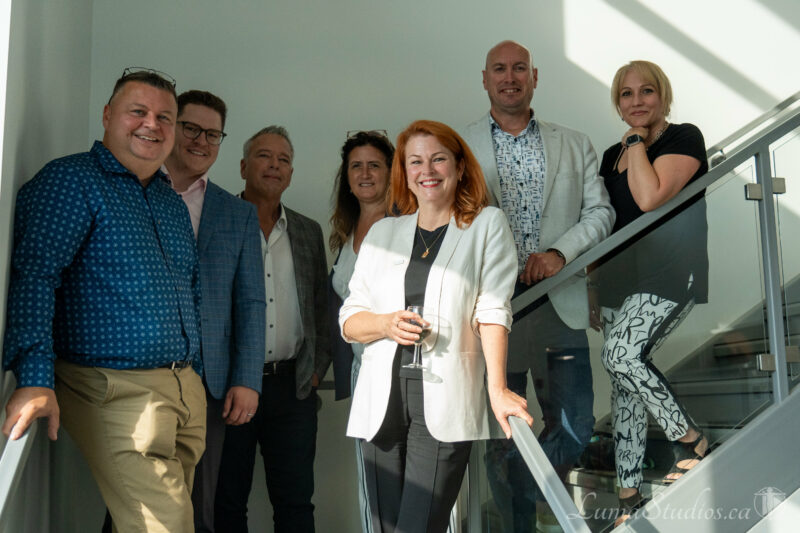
(544, 177)
(103, 319)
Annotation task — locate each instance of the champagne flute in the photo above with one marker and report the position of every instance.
(426, 330)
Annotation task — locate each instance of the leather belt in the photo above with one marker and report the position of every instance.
(177, 365)
(277, 368)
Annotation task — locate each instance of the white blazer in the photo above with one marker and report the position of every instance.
(470, 282)
(577, 213)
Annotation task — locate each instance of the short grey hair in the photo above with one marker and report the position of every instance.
(274, 130)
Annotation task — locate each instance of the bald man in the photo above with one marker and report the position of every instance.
(544, 178)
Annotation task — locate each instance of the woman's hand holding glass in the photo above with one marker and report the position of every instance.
(402, 328)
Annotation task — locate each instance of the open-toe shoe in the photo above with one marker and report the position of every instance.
(687, 455)
(628, 506)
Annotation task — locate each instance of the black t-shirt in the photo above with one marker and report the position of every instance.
(671, 260)
(416, 281)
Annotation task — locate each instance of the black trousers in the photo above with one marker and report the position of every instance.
(412, 479)
(285, 429)
(207, 471)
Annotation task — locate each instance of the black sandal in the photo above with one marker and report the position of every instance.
(628, 507)
(685, 451)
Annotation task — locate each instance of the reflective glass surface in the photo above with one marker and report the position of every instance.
(786, 164)
(680, 320)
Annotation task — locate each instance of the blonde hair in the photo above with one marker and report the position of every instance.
(651, 73)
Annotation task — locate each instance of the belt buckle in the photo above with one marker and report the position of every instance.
(270, 368)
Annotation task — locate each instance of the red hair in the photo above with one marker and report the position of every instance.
(471, 192)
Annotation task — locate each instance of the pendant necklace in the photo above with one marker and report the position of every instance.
(659, 133)
(428, 248)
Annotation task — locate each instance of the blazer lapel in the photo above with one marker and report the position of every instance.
(302, 274)
(208, 217)
(433, 290)
(488, 160)
(552, 155)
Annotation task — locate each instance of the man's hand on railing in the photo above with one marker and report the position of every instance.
(540, 266)
(506, 403)
(26, 405)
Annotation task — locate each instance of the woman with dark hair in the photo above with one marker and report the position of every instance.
(359, 200)
(648, 289)
(455, 256)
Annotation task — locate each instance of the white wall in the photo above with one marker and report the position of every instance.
(45, 117)
(322, 68)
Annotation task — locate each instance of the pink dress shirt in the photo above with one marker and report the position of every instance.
(193, 197)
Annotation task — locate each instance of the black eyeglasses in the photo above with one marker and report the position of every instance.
(136, 70)
(379, 133)
(193, 131)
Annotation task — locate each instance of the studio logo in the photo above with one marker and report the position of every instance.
(767, 499)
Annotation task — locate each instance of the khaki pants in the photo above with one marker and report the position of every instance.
(142, 432)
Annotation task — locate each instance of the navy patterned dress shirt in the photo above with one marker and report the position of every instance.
(104, 271)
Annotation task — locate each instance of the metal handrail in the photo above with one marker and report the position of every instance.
(564, 508)
(617, 240)
(754, 147)
(716, 154)
(12, 463)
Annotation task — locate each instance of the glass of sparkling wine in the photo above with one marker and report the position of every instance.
(426, 330)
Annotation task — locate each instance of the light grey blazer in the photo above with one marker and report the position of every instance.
(577, 213)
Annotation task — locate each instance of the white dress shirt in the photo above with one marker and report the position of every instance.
(284, 332)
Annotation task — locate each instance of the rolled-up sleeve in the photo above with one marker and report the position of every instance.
(498, 272)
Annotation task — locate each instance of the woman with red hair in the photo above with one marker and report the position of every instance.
(454, 255)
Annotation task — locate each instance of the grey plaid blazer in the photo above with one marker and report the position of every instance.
(310, 270)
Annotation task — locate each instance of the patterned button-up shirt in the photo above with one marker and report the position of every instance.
(521, 170)
(104, 271)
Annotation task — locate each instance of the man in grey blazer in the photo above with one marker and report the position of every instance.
(544, 177)
(297, 352)
(232, 309)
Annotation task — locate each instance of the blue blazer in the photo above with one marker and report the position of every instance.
(233, 306)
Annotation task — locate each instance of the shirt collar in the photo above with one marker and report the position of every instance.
(282, 221)
(496, 127)
(111, 164)
(201, 183)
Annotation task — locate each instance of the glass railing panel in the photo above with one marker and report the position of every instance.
(754, 128)
(688, 293)
(785, 155)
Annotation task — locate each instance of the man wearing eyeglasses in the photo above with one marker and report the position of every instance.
(103, 327)
(232, 280)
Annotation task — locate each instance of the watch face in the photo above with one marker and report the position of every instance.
(633, 139)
